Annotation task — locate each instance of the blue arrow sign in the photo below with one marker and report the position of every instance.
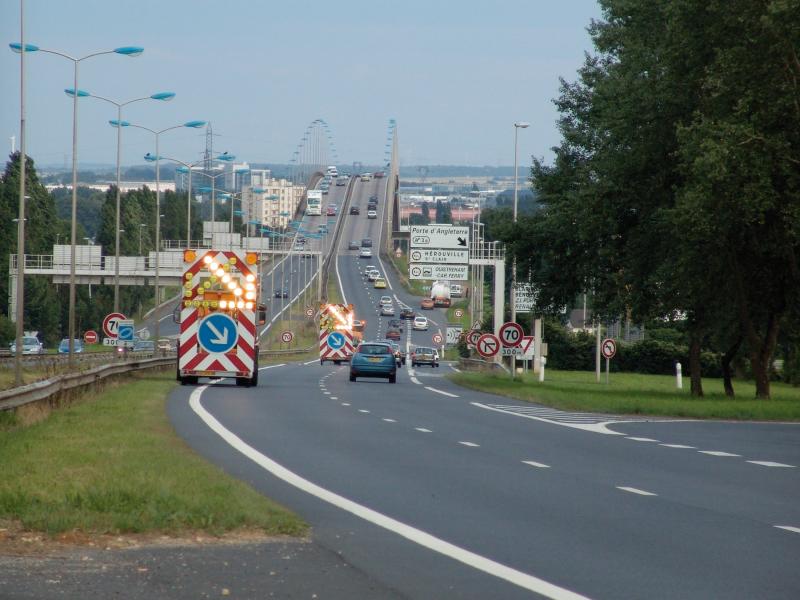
(125, 331)
(335, 340)
(217, 333)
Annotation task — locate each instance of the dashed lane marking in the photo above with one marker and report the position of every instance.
(310, 362)
(717, 453)
(470, 444)
(345, 404)
(390, 420)
(633, 490)
(538, 465)
(415, 380)
(361, 410)
(423, 430)
(788, 528)
(678, 446)
(769, 463)
(418, 536)
(641, 439)
(442, 392)
(271, 367)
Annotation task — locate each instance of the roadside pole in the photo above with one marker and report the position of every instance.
(597, 353)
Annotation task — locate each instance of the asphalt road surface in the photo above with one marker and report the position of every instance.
(436, 491)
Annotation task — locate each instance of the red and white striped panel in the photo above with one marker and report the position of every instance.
(328, 353)
(241, 359)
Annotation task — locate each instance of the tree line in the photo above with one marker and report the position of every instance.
(675, 190)
(48, 223)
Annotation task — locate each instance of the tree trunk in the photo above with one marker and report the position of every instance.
(727, 373)
(694, 365)
(762, 349)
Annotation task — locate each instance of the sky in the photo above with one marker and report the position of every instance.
(455, 75)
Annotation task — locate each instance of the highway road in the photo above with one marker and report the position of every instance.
(440, 492)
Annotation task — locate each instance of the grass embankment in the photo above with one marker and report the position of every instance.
(112, 464)
(633, 393)
(412, 286)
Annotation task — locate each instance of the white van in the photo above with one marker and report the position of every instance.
(456, 291)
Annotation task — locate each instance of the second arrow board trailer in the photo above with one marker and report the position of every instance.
(219, 316)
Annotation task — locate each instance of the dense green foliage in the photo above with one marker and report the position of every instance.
(675, 191)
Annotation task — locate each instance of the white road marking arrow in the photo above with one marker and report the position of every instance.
(221, 338)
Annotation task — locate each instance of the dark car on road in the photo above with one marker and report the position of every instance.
(393, 334)
(374, 359)
(353, 245)
(281, 293)
(354, 210)
(407, 313)
(366, 243)
(395, 324)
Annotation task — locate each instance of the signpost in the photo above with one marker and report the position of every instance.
(90, 337)
(453, 334)
(608, 348)
(310, 313)
(439, 236)
(511, 334)
(110, 324)
(458, 313)
(433, 271)
(125, 333)
(524, 297)
(473, 336)
(287, 337)
(439, 255)
(437, 338)
(488, 345)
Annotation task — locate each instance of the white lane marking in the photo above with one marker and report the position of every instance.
(271, 367)
(415, 380)
(334, 397)
(788, 528)
(443, 393)
(635, 491)
(345, 404)
(717, 453)
(326, 393)
(641, 439)
(455, 369)
(539, 465)
(593, 427)
(769, 463)
(470, 444)
(678, 446)
(423, 430)
(361, 410)
(310, 362)
(390, 420)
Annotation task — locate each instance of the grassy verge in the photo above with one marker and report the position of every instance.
(112, 464)
(633, 393)
(412, 286)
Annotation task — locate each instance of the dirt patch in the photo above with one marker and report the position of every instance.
(16, 541)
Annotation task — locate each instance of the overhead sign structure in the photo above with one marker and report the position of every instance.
(608, 348)
(439, 236)
(110, 324)
(446, 272)
(287, 337)
(488, 345)
(217, 333)
(439, 255)
(437, 338)
(511, 334)
(90, 337)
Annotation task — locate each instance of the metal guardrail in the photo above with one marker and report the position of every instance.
(48, 388)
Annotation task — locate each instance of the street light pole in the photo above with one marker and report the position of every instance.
(20, 316)
(517, 127)
(125, 51)
(119, 124)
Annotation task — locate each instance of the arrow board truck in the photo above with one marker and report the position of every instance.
(335, 333)
(219, 316)
(314, 203)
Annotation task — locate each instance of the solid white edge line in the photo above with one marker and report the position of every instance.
(271, 367)
(443, 393)
(310, 362)
(788, 528)
(635, 491)
(769, 463)
(593, 427)
(471, 559)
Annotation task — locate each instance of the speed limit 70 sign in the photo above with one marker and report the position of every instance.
(511, 334)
